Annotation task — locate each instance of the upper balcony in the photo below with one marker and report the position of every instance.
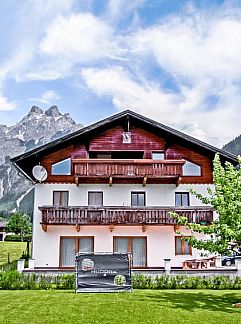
(155, 171)
(120, 215)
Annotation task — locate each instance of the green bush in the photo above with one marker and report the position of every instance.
(17, 238)
(13, 280)
(185, 282)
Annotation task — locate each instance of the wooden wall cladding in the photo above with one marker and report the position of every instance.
(141, 140)
(179, 152)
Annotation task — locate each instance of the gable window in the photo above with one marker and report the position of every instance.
(61, 168)
(182, 199)
(69, 246)
(182, 247)
(158, 155)
(191, 169)
(95, 198)
(60, 198)
(138, 199)
(134, 245)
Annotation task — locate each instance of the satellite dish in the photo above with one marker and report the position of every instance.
(39, 173)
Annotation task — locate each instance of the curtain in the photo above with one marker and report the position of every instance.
(178, 246)
(95, 198)
(139, 252)
(121, 245)
(68, 252)
(86, 244)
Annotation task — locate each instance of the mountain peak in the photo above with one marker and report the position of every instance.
(36, 109)
(53, 111)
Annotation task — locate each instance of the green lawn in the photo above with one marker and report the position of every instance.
(141, 306)
(15, 250)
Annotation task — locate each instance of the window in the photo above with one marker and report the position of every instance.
(158, 155)
(134, 245)
(182, 247)
(138, 199)
(69, 246)
(60, 198)
(182, 199)
(191, 169)
(62, 168)
(95, 198)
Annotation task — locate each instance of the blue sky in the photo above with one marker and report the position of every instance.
(178, 62)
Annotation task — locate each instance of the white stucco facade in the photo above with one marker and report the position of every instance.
(160, 239)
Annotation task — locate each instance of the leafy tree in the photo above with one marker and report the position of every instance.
(19, 224)
(224, 234)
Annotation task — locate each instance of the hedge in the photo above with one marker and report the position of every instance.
(14, 280)
(17, 238)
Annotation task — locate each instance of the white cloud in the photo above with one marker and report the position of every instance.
(194, 45)
(48, 97)
(80, 38)
(183, 110)
(6, 105)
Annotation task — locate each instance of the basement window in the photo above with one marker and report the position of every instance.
(61, 168)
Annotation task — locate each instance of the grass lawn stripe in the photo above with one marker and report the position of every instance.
(141, 306)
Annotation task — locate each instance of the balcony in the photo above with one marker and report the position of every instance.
(146, 169)
(122, 215)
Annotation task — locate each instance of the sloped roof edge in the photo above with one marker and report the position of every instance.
(111, 119)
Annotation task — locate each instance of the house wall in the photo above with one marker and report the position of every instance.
(160, 239)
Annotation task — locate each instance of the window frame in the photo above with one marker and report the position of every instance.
(76, 246)
(158, 152)
(130, 238)
(182, 246)
(182, 193)
(61, 198)
(102, 194)
(138, 192)
(61, 174)
(192, 175)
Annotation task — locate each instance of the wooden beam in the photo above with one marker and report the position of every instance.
(76, 181)
(44, 227)
(179, 181)
(144, 181)
(77, 227)
(111, 228)
(110, 181)
(176, 228)
(144, 228)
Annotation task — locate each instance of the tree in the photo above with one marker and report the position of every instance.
(19, 224)
(224, 234)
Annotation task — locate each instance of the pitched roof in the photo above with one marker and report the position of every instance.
(85, 133)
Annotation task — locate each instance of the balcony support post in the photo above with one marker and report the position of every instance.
(144, 181)
(110, 181)
(176, 228)
(77, 227)
(76, 181)
(144, 228)
(111, 228)
(44, 227)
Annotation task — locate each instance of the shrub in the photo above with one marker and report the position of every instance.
(17, 238)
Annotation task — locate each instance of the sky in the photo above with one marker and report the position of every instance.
(175, 61)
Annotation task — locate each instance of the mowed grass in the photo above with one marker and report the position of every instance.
(15, 250)
(141, 306)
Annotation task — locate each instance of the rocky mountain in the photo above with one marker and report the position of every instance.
(234, 146)
(36, 128)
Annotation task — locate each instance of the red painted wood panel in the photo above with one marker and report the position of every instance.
(179, 152)
(141, 140)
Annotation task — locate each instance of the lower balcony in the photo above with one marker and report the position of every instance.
(79, 216)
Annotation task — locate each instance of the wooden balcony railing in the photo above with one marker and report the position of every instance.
(122, 215)
(127, 168)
